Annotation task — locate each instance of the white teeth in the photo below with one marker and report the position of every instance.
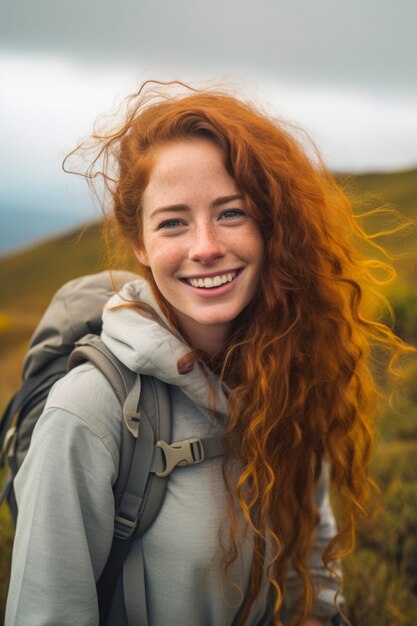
(212, 281)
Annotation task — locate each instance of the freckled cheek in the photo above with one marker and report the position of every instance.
(165, 259)
(253, 243)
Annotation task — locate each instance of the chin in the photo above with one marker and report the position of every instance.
(215, 320)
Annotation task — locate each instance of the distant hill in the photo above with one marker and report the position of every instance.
(33, 274)
(20, 227)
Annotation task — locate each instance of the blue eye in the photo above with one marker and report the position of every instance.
(169, 224)
(231, 213)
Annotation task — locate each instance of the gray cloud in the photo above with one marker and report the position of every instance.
(367, 43)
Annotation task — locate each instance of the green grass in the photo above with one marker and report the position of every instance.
(30, 277)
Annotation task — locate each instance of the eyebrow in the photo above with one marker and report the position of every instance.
(225, 199)
(172, 208)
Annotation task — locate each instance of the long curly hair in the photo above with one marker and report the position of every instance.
(298, 363)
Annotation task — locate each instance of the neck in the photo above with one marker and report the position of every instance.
(211, 339)
(210, 345)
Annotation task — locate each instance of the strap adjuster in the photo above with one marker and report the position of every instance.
(185, 452)
(123, 527)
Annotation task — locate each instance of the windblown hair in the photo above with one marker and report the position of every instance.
(298, 362)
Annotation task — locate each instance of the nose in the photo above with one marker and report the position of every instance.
(206, 245)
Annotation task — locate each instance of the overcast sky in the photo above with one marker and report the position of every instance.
(344, 70)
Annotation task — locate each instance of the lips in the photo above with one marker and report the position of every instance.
(209, 282)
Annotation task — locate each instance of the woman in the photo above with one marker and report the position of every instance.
(252, 274)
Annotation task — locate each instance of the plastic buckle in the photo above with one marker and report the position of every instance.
(123, 527)
(186, 452)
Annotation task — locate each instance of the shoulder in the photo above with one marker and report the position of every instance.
(85, 399)
(66, 504)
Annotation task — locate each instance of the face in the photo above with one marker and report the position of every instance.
(204, 250)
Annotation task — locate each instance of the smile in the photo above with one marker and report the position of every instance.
(208, 282)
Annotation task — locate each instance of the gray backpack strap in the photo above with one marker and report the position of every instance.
(146, 459)
(128, 389)
(91, 348)
(134, 586)
(154, 424)
(138, 491)
(141, 501)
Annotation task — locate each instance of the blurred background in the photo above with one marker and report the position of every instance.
(346, 72)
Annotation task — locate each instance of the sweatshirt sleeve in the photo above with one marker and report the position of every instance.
(65, 523)
(325, 583)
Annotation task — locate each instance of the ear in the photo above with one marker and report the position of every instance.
(142, 257)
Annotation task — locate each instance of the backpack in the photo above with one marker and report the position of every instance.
(68, 335)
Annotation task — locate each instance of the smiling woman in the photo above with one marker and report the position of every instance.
(203, 247)
(250, 307)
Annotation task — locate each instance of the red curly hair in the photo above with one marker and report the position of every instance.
(302, 391)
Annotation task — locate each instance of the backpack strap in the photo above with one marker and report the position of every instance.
(91, 348)
(143, 492)
(134, 586)
(29, 393)
(146, 459)
(127, 387)
(32, 393)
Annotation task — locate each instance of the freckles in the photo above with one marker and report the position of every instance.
(165, 255)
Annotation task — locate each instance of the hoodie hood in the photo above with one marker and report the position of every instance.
(143, 341)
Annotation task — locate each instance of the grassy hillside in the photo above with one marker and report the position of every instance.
(396, 193)
(381, 577)
(40, 270)
(29, 278)
(396, 188)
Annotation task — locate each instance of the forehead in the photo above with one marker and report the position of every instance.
(192, 166)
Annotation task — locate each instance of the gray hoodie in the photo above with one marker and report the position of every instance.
(66, 504)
